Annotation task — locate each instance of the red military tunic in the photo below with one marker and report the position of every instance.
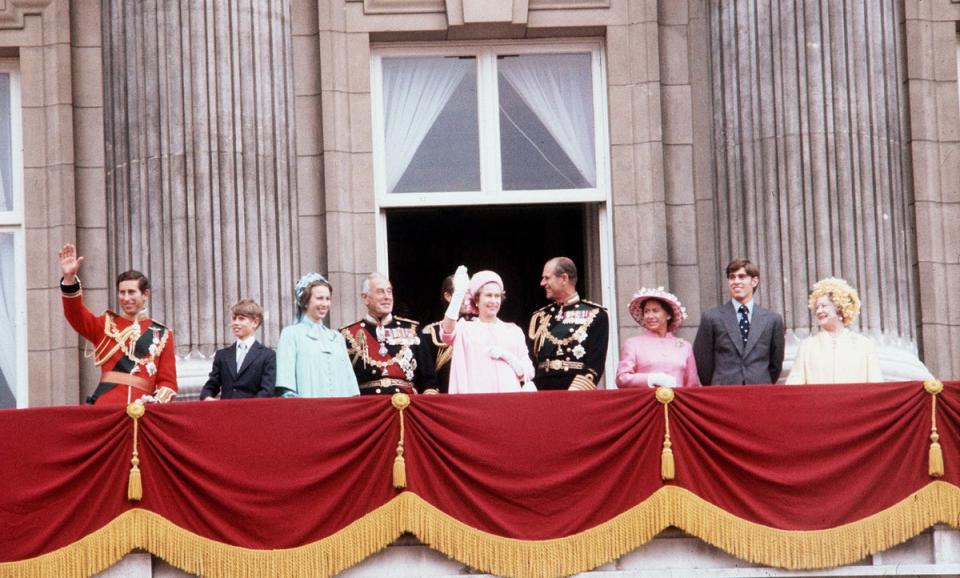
(387, 356)
(136, 358)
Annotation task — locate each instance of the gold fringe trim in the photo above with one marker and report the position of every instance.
(938, 502)
(144, 530)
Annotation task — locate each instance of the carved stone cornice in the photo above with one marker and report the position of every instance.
(12, 12)
(403, 6)
(460, 12)
(568, 4)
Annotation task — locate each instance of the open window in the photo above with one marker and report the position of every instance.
(495, 156)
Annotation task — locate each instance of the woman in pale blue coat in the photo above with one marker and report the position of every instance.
(312, 359)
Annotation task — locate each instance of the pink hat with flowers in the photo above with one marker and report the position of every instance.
(669, 300)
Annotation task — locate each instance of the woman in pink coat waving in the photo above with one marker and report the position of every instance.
(489, 355)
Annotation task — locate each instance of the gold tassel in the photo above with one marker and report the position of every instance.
(399, 469)
(400, 401)
(134, 484)
(667, 467)
(935, 456)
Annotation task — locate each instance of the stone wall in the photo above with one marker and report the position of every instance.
(302, 68)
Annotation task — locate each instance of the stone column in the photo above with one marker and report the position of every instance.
(813, 172)
(200, 159)
(637, 156)
(346, 150)
(932, 73)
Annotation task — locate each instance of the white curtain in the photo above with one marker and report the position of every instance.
(6, 195)
(6, 192)
(8, 303)
(557, 88)
(415, 92)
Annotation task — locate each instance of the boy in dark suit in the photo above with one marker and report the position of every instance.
(247, 368)
(740, 342)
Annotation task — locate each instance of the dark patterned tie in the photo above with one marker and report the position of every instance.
(744, 323)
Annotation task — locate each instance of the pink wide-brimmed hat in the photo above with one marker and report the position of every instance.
(678, 311)
(479, 279)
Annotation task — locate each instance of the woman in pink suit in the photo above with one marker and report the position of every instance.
(657, 358)
(489, 355)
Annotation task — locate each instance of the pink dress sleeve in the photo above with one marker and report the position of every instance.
(627, 376)
(690, 376)
(519, 347)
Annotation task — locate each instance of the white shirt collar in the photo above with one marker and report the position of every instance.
(385, 320)
(248, 341)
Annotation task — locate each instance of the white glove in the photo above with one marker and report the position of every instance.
(509, 358)
(661, 379)
(148, 399)
(461, 282)
(528, 386)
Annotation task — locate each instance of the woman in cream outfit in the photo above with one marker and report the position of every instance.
(835, 354)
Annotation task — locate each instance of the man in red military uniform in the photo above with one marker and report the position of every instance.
(385, 350)
(134, 352)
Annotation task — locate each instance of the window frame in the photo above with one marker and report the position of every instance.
(491, 190)
(12, 221)
(601, 196)
(14, 217)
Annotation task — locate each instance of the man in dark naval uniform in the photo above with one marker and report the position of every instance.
(568, 337)
(436, 351)
(386, 350)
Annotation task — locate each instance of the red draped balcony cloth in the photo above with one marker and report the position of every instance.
(543, 484)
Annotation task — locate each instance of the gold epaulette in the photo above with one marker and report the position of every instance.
(348, 327)
(431, 330)
(354, 349)
(536, 326)
(404, 319)
(597, 305)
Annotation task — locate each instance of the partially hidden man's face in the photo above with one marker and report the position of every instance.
(742, 285)
(379, 299)
(130, 298)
